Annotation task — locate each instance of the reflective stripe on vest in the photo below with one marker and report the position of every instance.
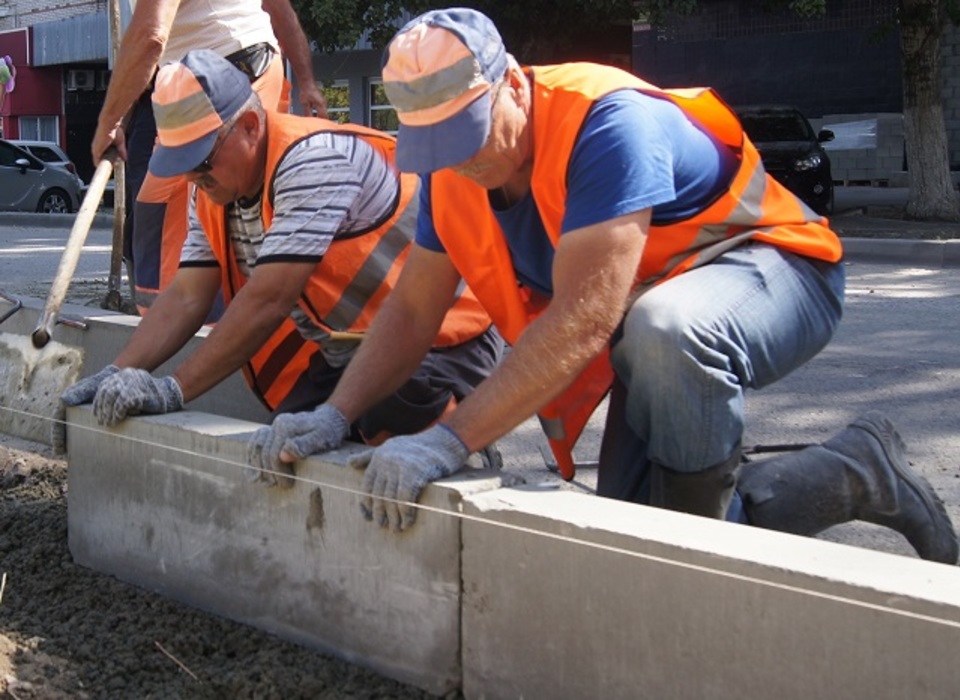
(754, 206)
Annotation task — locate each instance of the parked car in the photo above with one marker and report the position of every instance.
(29, 184)
(52, 154)
(791, 152)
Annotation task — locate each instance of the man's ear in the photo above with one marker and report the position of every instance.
(250, 123)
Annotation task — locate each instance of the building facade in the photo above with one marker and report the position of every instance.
(61, 54)
(841, 68)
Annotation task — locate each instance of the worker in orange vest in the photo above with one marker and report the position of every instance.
(627, 237)
(304, 225)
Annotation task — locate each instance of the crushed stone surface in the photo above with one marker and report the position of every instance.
(70, 632)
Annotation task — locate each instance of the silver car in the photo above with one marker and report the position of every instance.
(50, 152)
(29, 184)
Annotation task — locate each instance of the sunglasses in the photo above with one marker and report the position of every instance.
(206, 165)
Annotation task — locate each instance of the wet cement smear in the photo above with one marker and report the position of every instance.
(31, 382)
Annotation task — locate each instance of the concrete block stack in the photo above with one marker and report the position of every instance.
(868, 149)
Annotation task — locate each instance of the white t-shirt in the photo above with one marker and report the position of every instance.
(224, 26)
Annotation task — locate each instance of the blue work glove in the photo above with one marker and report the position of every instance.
(300, 435)
(131, 392)
(78, 393)
(400, 468)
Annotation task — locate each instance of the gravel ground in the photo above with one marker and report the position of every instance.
(69, 632)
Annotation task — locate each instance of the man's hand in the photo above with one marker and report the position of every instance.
(78, 393)
(400, 468)
(85, 389)
(131, 392)
(272, 450)
(104, 138)
(312, 100)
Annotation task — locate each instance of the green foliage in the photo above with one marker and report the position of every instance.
(534, 30)
(335, 24)
(808, 8)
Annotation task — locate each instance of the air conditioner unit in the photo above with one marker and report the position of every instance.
(81, 79)
(103, 79)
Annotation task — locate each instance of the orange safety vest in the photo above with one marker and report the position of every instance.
(351, 281)
(754, 207)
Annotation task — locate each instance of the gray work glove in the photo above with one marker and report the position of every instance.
(131, 392)
(85, 389)
(299, 434)
(400, 468)
(78, 393)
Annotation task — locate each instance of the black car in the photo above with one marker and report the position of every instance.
(792, 153)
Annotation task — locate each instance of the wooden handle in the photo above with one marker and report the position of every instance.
(346, 335)
(71, 254)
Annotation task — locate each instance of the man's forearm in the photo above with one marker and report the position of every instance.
(251, 317)
(388, 356)
(293, 42)
(171, 322)
(134, 68)
(135, 63)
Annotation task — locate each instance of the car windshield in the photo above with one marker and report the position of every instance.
(45, 154)
(776, 126)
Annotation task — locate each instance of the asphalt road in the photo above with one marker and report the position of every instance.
(32, 246)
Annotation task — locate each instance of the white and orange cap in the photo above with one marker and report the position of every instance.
(437, 74)
(192, 99)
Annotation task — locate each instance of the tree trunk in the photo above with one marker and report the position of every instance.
(932, 195)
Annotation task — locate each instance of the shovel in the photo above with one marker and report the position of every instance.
(35, 372)
(68, 263)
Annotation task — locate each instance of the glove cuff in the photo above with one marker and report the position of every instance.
(449, 440)
(333, 416)
(172, 394)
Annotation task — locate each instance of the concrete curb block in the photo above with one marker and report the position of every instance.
(538, 593)
(936, 254)
(166, 503)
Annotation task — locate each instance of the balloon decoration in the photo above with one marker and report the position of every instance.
(8, 78)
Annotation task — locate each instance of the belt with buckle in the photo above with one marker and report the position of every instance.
(253, 61)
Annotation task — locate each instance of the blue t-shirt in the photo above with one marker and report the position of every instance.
(635, 152)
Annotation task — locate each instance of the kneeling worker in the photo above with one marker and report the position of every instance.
(305, 225)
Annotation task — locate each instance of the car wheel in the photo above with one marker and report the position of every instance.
(828, 207)
(54, 201)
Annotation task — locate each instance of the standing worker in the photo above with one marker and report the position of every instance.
(304, 224)
(250, 34)
(620, 236)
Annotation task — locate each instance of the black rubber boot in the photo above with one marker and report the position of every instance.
(859, 474)
(707, 493)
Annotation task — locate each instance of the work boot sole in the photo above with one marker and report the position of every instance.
(942, 546)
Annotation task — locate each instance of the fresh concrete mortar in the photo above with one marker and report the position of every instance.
(92, 341)
(31, 382)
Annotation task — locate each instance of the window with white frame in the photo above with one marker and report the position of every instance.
(40, 129)
(381, 114)
(338, 101)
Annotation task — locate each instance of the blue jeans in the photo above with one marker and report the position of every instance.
(691, 346)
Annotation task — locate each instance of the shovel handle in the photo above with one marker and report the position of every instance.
(71, 254)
